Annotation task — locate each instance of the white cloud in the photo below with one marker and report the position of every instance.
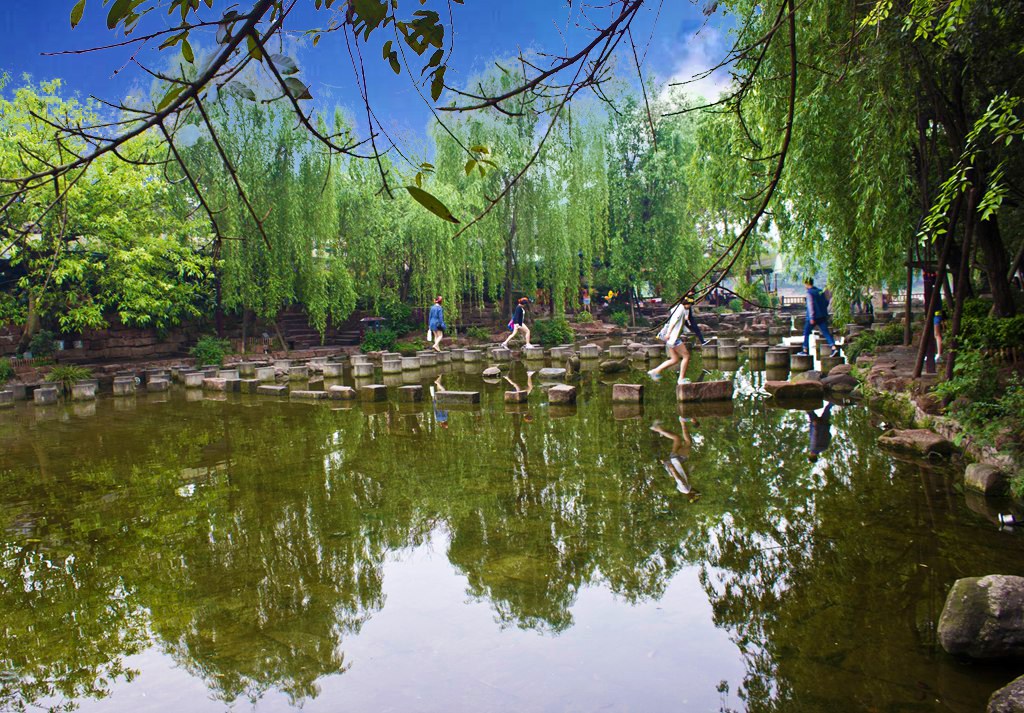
(695, 54)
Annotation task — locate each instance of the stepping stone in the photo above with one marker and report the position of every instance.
(705, 391)
(373, 392)
(533, 353)
(807, 389)
(362, 370)
(472, 355)
(341, 393)
(298, 373)
(590, 351)
(83, 391)
(801, 363)
(391, 366)
(614, 366)
(777, 358)
(124, 387)
(918, 441)
(248, 386)
(516, 397)
(458, 354)
(45, 395)
(828, 363)
(618, 351)
(307, 395)
(247, 369)
(551, 373)
(410, 363)
(360, 359)
(272, 389)
(757, 352)
(215, 384)
(456, 398)
(193, 379)
(333, 370)
(158, 384)
(501, 354)
(562, 394)
(427, 358)
(410, 394)
(6, 398)
(627, 393)
(266, 373)
(491, 372)
(228, 374)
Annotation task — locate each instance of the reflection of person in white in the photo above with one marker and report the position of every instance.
(518, 319)
(675, 347)
(680, 453)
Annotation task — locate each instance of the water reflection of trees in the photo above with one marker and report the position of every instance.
(249, 542)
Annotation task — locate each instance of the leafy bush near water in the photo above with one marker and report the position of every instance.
(6, 371)
(41, 344)
(584, 317)
(67, 376)
(210, 350)
(620, 318)
(380, 340)
(552, 332)
(478, 333)
(868, 340)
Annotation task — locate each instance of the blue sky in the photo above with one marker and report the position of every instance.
(679, 44)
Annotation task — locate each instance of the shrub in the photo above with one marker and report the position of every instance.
(584, 317)
(210, 350)
(6, 371)
(620, 317)
(42, 343)
(379, 340)
(551, 332)
(866, 341)
(992, 332)
(736, 304)
(399, 316)
(409, 348)
(478, 333)
(67, 376)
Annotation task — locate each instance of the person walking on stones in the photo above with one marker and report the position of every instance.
(518, 323)
(675, 346)
(817, 316)
(436, 322)
(691, 321)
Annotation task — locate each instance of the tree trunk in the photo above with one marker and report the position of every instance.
(997, 265)
(908, 331)
(962, 283)
(31, 323)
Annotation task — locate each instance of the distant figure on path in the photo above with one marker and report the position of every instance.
(436, 322)
(675, 347)
(586, 299)
(817, 316)
(517, 323)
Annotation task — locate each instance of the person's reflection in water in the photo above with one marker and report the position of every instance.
(819, 432)
(529, 383)
(440, 414)
(681, 446)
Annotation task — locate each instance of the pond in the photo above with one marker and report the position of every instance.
(180, 551)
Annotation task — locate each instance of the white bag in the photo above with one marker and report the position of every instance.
(430, 336)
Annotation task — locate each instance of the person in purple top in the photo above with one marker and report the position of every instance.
(817, 316)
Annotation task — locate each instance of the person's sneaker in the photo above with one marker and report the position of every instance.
(705, 342)
(802, 354)
(835, 352)
(655, 376)
(684, 380)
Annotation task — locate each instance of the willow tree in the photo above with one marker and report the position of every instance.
(283, 245)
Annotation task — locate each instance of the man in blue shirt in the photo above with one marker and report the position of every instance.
(817, 316)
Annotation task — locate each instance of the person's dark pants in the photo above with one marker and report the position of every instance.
(696, 332)
(822, 326)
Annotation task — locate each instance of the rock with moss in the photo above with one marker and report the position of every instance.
(984, 617)
(1008, 699)
(916, 441)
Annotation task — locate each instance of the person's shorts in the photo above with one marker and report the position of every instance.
(937, 320)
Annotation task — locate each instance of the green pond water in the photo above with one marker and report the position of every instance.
(179, 552)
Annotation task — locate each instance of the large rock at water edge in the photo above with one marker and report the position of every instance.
(614, 366)
(984, 617)
(1008, 699)
(916, 441)
(840, 383)
(984, 478)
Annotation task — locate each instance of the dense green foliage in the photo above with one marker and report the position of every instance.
(553, 332)
(6, 370)
(379, 340)
(67, 375)
(210, 350)
(869, 339)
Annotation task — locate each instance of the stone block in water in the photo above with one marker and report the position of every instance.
(704, 391)
(158, 384)
(654, 351)
(298, 373)
(551, 373)
(228, 374)
(410, 394)
(362, 370)
(373, 392)
(472, 355)
(341, 393)
(516, 397)
(124, 386)
(562, 394)
(249, 386)
(501, 354)
(302, 395)
(533, 353)
(266, 374)
(725, 342)
(215, 384)
(728, 353)
(410, 363)
(590, 351)
(83, 391)
(333, 370)
(6, 398)
(272, 390)
(193, 379)
(799, 362)
(458, 354)
(828, 363)
(457, 398)
(45, 395)
(627, 393)
(618, 351)
(444, 357)
(360, 359)
(807, 389)
(757, 352)
(777, 358)
(247, 369)
(427, 358)
(391, 366)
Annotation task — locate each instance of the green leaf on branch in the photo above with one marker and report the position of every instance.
(76, 13)
(186, 52)
(297, 89)
(118, 11)
(284, 63)
(169, 97)
(432, 204)
(437, 83)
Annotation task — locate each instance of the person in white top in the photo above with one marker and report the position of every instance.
(675, 346)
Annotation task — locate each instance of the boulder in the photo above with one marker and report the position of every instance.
(614, 366)
(1008, 699)
(984, 478)
(705, 391)
(341, 393)
(794, 389)
(984, 617)
(551, 373)
(840, 383)
(916, 441)
(812, 375)
(492, 371)
(840, 369)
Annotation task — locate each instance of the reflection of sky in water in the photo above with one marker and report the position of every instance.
(431, 649)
